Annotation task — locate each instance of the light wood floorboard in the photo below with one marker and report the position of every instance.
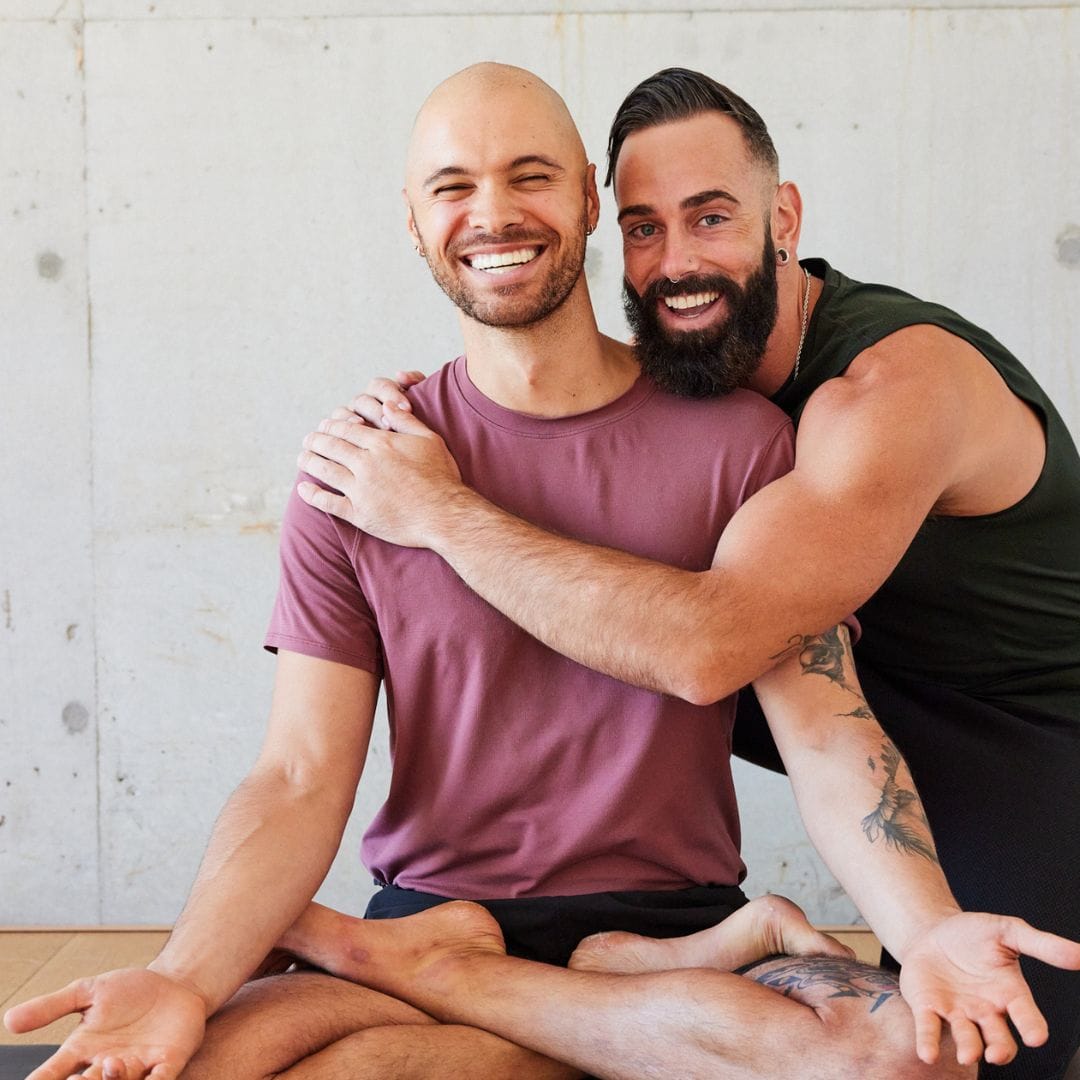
(39, 961)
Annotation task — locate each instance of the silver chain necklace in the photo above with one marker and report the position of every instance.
(805, 323)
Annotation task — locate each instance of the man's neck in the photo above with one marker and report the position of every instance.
(778, 362)
(559, 366)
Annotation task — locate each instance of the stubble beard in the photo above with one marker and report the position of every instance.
(720, 358)
(500, 310)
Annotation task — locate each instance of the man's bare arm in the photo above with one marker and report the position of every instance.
(903, 433)
(860, 805)
(854, 791)
(270, 849)
(280, 830)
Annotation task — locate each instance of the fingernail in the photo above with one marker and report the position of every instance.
(324, 425)
(403, 406)
(384, 422)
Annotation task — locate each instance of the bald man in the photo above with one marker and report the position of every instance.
(566, 801)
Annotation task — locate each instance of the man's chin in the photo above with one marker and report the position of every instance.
(697, 369)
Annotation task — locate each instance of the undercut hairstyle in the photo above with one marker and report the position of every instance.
(678, 94)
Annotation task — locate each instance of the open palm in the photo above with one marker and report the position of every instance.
(135, 1024)
(965, 971)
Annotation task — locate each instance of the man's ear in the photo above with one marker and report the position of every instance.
(592, 196)
(786, 217)
(410, 222)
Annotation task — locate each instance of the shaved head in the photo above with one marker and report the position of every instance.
(490, 97)
(500, 195)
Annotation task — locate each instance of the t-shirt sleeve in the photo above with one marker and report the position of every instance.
(320, 609)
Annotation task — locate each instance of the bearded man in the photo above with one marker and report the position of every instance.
(936, 490)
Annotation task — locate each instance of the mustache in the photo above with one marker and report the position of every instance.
(511, 236)
(688, 286)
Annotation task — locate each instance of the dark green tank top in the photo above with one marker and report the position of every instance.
(989, 605)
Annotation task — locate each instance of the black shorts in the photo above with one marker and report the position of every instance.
(548, 928)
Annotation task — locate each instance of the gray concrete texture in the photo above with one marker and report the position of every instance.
(202, 251)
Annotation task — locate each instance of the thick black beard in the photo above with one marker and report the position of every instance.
(706, 363)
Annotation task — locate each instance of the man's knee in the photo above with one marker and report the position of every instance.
(868, 1025)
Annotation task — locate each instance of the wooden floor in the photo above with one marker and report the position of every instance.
(37, 961)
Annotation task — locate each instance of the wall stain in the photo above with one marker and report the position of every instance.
(69, 633)
(6, 608)
(75, 717)
(1068, 247)
(50, 266)
(270, 528)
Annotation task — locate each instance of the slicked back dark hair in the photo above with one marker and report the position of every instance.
(678, 94)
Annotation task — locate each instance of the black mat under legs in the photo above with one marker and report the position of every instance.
(17, 1062)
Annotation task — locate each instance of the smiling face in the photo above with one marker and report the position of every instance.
(500, 195)
(700, 288)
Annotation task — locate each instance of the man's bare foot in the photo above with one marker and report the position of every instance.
(383, 953)
(763, 927)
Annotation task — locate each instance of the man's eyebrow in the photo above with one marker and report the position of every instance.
(691, 202)
(525, 159)
(534, 159)
(446, 170)
(637, 210)
(703, 197)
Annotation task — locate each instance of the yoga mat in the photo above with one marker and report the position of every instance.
(16, 1062)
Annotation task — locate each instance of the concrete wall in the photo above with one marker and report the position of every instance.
(202, 250)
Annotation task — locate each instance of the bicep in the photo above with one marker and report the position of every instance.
(320, 722)
(807, 554)
(808, 549)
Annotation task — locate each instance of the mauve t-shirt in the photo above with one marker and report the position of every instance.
(518, 772)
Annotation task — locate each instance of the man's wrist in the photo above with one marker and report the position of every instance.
(176, 974)
(454, 523)
(926, 923)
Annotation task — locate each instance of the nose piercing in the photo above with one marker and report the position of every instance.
(674, 280)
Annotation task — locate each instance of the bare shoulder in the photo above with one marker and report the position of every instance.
(919, 365)
(891, 419)
(931, 401)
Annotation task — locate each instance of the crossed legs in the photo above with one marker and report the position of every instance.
(629, 1009)
(312, 1026)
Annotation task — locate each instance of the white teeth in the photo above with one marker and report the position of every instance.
(681, 303)
(503, 261)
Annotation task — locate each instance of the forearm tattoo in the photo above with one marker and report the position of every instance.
(899, 817)
(825, 654)
(844, 978)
